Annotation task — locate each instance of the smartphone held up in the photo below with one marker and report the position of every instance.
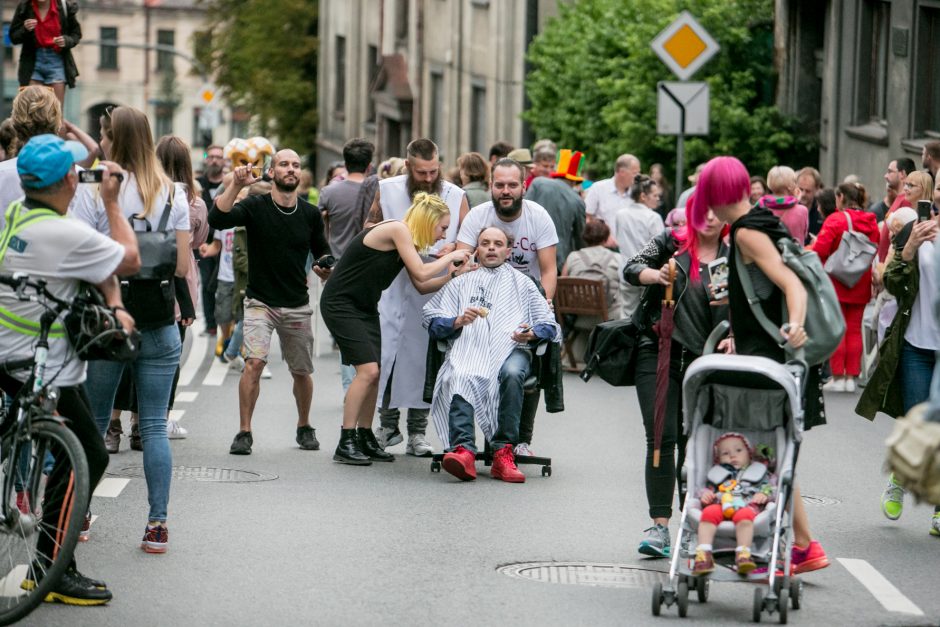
(924, 210)
(96, 176)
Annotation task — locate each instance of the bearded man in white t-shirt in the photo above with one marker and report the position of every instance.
(533, 250)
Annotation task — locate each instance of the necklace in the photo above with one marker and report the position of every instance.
(286, 213)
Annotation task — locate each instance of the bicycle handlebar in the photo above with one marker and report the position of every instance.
(20, 281)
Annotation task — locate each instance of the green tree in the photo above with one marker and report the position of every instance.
(593, 84)
(262, 55)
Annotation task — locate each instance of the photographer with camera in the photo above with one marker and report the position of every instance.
(282, 230)
(40, 241)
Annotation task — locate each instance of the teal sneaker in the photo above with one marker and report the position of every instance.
(935, 524)
(656, 543)
(892, 499)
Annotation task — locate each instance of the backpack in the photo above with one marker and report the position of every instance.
(824, 324)
(914, 453)
(611, 352)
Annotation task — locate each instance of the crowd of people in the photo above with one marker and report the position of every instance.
(438, 290)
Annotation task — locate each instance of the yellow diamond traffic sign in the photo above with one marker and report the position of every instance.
(684, 46)
(207, 94)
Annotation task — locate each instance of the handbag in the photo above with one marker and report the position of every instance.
(157, 248)
(852, 259)
(611, 352)
(824, 323)
(914, 454)
(95, 332)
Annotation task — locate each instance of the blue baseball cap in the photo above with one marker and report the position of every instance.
(46, 159)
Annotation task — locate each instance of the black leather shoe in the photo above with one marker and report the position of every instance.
(347, 451)
(370, 446)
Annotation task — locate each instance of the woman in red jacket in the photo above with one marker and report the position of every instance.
(846, 361)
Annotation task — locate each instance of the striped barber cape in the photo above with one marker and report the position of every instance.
(474, 358)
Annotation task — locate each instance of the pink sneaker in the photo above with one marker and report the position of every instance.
(808, 559)
(156, 539)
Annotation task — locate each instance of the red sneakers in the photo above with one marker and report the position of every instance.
(811, 558)
(155, 539)
(461, 463)
(504, 466)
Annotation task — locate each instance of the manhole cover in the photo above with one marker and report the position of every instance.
(204, 473)
(584, 574)
(810, 499)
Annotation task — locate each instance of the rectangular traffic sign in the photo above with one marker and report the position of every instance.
(674, 98)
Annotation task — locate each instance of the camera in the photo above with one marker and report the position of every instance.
(924, 210)
(96, 176)
(326, 262)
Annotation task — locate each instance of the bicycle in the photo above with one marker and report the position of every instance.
(36, 546)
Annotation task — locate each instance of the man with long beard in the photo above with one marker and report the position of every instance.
(533, 251)
(404, 340)
(282, 229)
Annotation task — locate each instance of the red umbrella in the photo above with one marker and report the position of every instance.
(663, 329)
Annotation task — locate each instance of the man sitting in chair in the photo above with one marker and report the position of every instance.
(489, 317)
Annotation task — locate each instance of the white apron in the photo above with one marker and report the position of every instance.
(404, 340)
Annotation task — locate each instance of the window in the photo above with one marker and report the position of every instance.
(401, 20)
(478, 118)
(435, 124)
(107, 52)
(927, 87)
(373, 66)
(240, 120)
(165, 59)
(164, 122)
(339, 102)
(872, 66)
(203, 122)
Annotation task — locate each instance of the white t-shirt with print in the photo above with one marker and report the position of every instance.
(64, 252)
(88, 207)
(226, 271)
(532, 231)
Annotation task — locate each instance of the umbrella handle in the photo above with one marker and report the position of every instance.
(672, 281)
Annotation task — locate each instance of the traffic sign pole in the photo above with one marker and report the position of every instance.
(680, 139)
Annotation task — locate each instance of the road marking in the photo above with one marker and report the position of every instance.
(110, 487)
(197, 353)
(216, 374)
(883, 590)
(10, 585)
(177, 414)
(186, 397)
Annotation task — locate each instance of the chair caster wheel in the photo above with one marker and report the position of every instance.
(546, 471)
(435, 466)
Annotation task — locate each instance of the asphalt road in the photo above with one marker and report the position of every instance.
(329, 544)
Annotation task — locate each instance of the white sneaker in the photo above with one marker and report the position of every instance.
(174, 431)
(522, 449)
(266, 373)
(386, 437)
(836, 385)
(237, 364)
(850, 384)
(419, 446)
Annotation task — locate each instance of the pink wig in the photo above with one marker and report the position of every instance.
(723, 181)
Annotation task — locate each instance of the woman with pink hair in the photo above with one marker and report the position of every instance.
(724, 188)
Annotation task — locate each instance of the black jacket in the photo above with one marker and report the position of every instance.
(71, 31)
(657, 253)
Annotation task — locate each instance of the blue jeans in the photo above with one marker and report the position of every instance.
(235, 343)
(153, 376)
(512, 376)
(916, 367)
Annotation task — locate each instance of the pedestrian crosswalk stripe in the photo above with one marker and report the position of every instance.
(177, 414)
(883, 590)
(197, 353)
(186, 397)
(216, 374)
(111, 487)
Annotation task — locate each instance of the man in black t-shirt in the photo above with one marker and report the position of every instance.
(211, 183)
(282, 229)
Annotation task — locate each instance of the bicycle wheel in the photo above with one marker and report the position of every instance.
(42, 509)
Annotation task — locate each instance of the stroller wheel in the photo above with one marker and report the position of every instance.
(796, 593)
(701, 589)
(682, 597)
(758, 603)
(657, 598)
(783, 605)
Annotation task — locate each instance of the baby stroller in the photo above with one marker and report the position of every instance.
(761, 399)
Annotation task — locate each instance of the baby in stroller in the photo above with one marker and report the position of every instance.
(737, 489)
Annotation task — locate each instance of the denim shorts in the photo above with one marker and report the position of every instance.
(49, 68)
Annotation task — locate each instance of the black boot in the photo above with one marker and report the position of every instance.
(347, 451)
(371, 448)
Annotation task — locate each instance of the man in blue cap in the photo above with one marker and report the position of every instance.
(40, 241)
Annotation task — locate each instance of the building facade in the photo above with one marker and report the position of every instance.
(865, 74)
(450, 70)
(166, 86)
